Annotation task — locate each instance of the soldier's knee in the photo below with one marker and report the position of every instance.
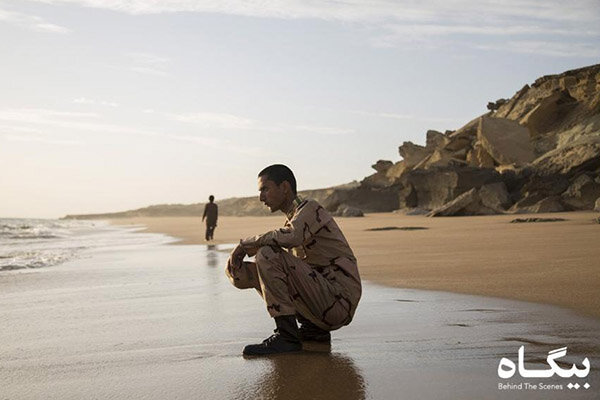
(232, 276)
(243, 282)
(238, 283)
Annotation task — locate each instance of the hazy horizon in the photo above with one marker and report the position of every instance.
(117, 105)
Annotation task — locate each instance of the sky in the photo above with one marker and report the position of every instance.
(111, 105)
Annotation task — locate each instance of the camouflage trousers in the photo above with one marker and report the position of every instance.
(290, 286)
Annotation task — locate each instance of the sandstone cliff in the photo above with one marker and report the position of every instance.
(538, 151)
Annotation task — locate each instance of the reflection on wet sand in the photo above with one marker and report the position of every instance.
(212, 257)
(308, 375)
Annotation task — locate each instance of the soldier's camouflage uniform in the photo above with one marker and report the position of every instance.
(316, 277)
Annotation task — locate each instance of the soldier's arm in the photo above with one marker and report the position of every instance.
(309, 218)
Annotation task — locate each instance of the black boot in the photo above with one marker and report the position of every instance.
(284, 340)
(309, 332)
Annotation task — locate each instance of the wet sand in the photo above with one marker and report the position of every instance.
(163, 322)
(548, 262)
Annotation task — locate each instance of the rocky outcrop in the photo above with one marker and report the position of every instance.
(348, 211)
(582, 193)
(479, 157)
(542, 145)
(580, 155)
(493, 106)
(396, 171)
(432, 188)
(581, 84)
(468, 203)
(495, 196)
(492, 198)
(467, 131)
(548, 113)
(412, 153)
(365, 197)
(528, 154)
(435, 140)
(458, 206)
(546, 205)
(380, 178)
(505, 140)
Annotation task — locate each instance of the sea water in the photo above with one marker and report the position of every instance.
(37, 243)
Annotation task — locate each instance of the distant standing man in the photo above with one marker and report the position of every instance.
(305, 270)
(211, 213)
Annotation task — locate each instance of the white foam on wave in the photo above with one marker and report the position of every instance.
(37, 243)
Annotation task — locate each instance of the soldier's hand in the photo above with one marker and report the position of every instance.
(235, 258)
(238, 253)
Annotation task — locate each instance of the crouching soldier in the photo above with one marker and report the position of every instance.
(305, 271)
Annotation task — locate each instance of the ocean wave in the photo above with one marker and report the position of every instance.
(35, 259)
(34, 236)
(37, 243)
(31, 231)
(10, 227)
(10, 267)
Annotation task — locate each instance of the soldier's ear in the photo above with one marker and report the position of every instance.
(287, 187)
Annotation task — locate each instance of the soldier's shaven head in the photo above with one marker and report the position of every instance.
(211, 198)
(279, 173)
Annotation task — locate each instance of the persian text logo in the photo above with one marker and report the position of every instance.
(507, 368)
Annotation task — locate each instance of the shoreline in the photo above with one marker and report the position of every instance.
(547, 262)
(153, 322)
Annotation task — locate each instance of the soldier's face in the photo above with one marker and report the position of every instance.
(271, 194)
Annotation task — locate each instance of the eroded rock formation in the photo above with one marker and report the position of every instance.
(538, 151)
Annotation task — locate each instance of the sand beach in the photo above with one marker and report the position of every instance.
(156, 321)
(546, 262)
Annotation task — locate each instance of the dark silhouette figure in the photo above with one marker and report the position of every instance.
(211, 213)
